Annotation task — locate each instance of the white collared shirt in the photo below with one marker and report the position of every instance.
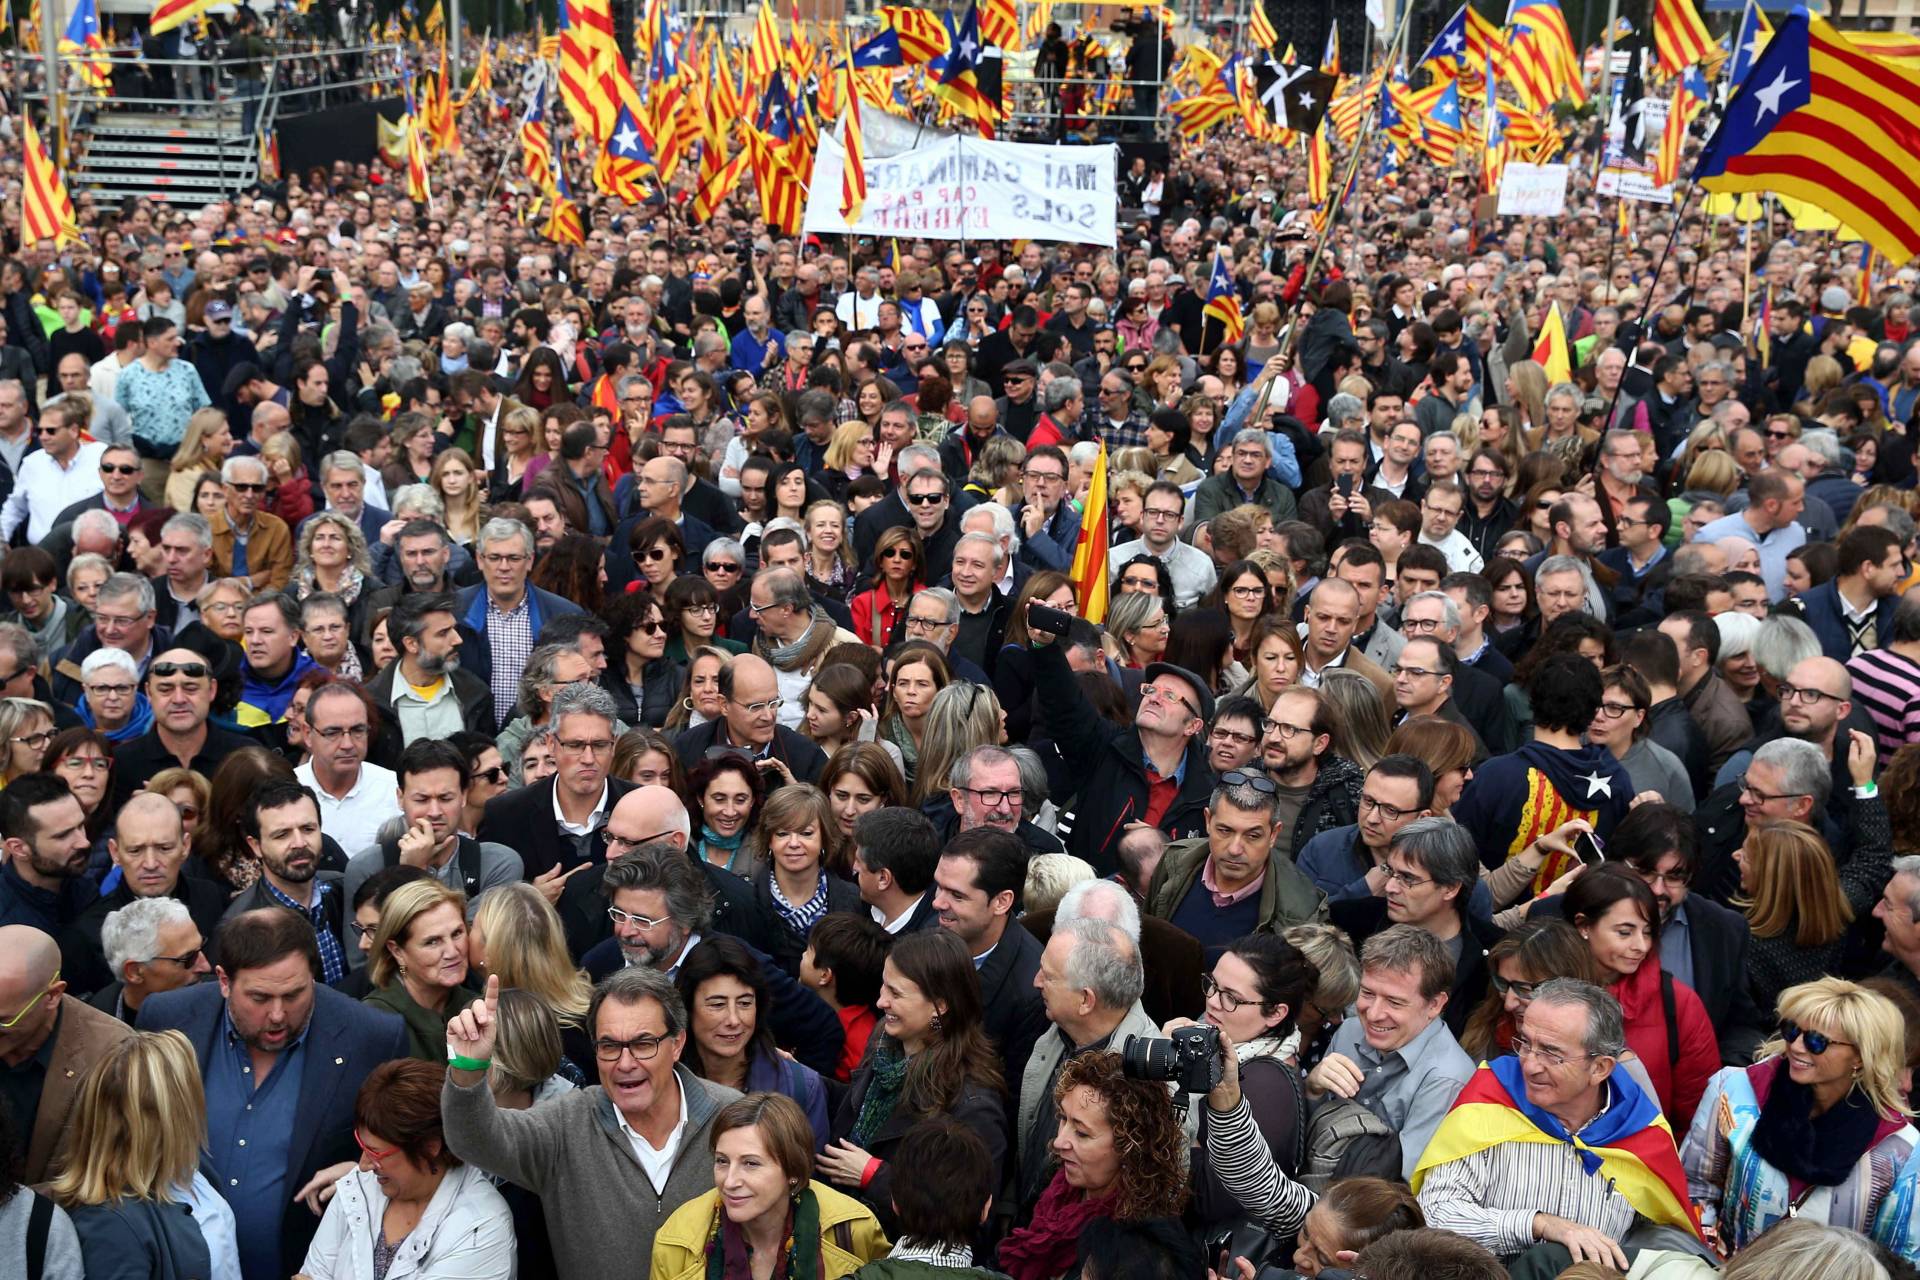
(657, 1162)
(595, 820)
(354, 820)
(43, 489)
(899, 922)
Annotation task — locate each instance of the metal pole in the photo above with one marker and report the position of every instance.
(50, 59)
(452, 16)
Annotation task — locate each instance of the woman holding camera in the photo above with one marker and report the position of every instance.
(1119, 1154)
(930, 1056)
(1252, 995)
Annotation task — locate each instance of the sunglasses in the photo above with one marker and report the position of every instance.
(119, 469)
(497, 774)
(1244, 778)
(192, 670)
(242, 487)
(722, 566)
(926, 499)
(1817, 1042)
(897, 553)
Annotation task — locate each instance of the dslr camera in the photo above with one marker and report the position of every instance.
(1191, 1058)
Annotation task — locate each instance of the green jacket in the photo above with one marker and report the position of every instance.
(426, 1030)
(1286, 899)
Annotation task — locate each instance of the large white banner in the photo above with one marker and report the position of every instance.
(972, 189)
(1533, 190)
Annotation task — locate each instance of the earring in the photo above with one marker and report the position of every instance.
(936, 1022)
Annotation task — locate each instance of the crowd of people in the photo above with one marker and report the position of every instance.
(525, 759)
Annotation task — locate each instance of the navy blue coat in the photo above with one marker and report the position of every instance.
(470, 606)
(346, 1040)
(1821, 608)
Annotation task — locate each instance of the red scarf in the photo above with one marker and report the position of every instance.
(1049, 1244)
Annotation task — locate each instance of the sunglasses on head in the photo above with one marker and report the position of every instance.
(192, 670)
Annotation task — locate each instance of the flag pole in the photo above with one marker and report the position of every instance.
(50, 58)
(1334, 193)
(1693, 189)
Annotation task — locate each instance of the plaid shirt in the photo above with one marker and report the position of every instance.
(1125, 435)
(510, 636)
(333, 961)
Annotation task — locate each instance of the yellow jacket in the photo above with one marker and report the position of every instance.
(679, 1246)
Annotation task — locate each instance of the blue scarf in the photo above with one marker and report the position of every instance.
(1631, 1112)
(137, 723)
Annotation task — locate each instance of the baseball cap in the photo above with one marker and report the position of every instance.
(219, 311)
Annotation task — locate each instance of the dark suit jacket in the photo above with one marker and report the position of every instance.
(1718, 939)
(1014, 1015)
(476, 654)
(523, 821)
(802, 1023)
(801, 756)
(1480, 698)
(583, 911)
(82, 961)
(83, 1035)
(1822, 610)
(1174, 961)
(345, 1041)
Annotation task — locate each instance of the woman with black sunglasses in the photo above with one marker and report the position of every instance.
(644, 682)
(899, 568)
(1814, 1129)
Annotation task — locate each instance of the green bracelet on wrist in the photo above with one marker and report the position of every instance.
(460, 1063)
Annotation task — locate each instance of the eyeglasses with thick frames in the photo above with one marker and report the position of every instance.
(619, 917)
(1230, 1001)
(643, 1048)
(993, 798)
(1615, 710)
(375, 1156)
(1817, 1042)
(31, 1004)
(1521, 990)
(1391, 812)
(1803, 693)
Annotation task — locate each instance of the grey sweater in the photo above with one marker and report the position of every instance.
(601, 1209)
(63, 1261)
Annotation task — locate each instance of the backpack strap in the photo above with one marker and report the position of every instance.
(1668, 1007)
(39, 1226)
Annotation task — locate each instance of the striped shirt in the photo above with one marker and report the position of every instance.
(1491, 1196)
(1240, 1158)
(1888, 686)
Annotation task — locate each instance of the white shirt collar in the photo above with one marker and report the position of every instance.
(595, 820)
(899, 922)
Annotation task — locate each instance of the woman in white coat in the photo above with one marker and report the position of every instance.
(412, 1210)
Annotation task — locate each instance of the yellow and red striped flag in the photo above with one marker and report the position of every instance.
(1550, 352)
(763, 55)
(45, 211)
(169, 14)
(1679, 35)
(853, 173)
(1260, 29)
(923, 36)
(1089, 572)
(998, 25)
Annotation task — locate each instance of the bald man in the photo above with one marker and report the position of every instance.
(963, 444)
(751, 721)
(54, 1040)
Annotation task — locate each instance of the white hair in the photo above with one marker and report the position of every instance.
(133, 932)
(1100, 900)
(101, 659)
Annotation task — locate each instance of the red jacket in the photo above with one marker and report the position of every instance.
(1680, 1084)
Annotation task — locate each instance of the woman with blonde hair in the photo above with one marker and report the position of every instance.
(516, 445)
(138, 1123)
(458, 482)
(1499, 430)
(418, 964)
(516, 936)
(202, 449)
(767, 1216)
(995, 473)
(1138, 627)
(964, 716)
(1127, 501)
(1527, 392)
(26, 729)
(1364, 713)
(1798, 904)
(851, 453)
(1816, 1129)
(289, 488)
(332, 557)
(830, 562)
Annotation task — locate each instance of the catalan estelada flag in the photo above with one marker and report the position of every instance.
(82, 42)
(1550, 352)
(1223, 300)
(1629, 1144)
(1823, 121)
(1089, 571)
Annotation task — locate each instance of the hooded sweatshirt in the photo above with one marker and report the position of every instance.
(1514, 799)
(265, 701)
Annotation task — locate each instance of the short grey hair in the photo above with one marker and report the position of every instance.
(1558, 564)
(1782, 643)
(995, 548)
(19, 641)
(500, 529)
(1049, 876)
(1245, 797)
(133, 932)
(1106, 900)
(1606, 1030)
(342, 460)
(195, 526)
(583, 698)
(631, 985)
(321, 602)
(787, 587)
(662, 866)
(100, 659)
(97, 522)
(961, 774)
(1907, 864)
(1062, 392)
(230, 469)
(1824, 445)
(121, 586)
(1450, 612)
(1033, 778)
(1003, 525)
(1103, 960)
(1804, 768)
(1443, 849)
(916, 456)
(1253, 435)
(725, 547)
(1344, 407)
(419, 500)
(1562, 391)
(948, 602)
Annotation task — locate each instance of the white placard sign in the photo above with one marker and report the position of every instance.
(972, 189)
(1533, 190)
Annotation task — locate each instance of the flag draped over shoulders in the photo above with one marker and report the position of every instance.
(1629, 1143)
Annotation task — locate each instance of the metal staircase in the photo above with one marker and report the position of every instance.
(182, 157)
